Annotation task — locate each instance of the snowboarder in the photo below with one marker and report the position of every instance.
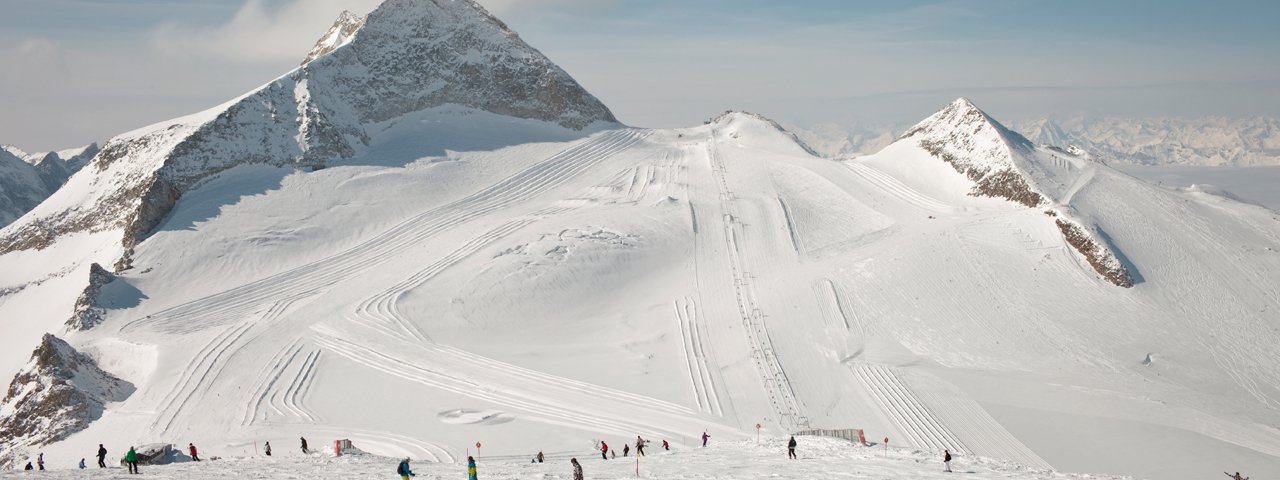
(704, 438)
(471, 469)
(82, 464)
(102, 456)
(29, 467)
(403, 470)
(40, 461)
(604, 450)
(191, 448)
(304, 445)
(665, 445)
(268, 449)
(1233, 477)
(131, 459)
(639, 446)
(577, 469)
(791, 448)
(626, 448)
(946, 459)
(539, 457)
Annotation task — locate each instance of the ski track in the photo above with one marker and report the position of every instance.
(898, 189)
(700, 374)
(542, 401)
(201, 368)
(792, 231)
(905, 410)
(981, 433)
(773, 378)
(226, 306)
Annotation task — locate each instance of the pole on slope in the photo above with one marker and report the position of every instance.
(477, 449)
(758, 434)
(637, 466)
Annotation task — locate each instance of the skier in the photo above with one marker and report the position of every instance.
(626, 448)
(131, 459)
(539, 457)
(304, 445)
(268, 449)
(639, 446)
(40, 461)
(665, 445)
(946, 459)
(704, 438)
(577, 469)
(102, 456)
(604, 450)
(82, 464)
(403, 470)
(791, 448)
(191, 447)
(471, 469)
(1233, 477)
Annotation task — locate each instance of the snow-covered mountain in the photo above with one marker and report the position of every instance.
(27, 179)
(409, 58)
(431, 237)
(1166, 141)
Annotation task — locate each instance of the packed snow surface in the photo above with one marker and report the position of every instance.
(818, 458)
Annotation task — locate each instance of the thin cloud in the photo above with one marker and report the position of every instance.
(257, 33)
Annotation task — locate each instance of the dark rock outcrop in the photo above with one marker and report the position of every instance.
(87, 312)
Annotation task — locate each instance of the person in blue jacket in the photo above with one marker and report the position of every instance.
(403, 470)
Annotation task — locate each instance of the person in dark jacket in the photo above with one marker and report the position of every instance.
(403, 470)
(704, 438)
(577, 469)
(40, 461)
(791, 448)
(946, 459)
(665, 445)
(539, 457)
(102, 456)
(626, 449)
(29, 467)
(131, 458)
(268, 449)
(304, 445)
(191, 448)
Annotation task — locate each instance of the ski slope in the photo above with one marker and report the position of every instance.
(666, 282)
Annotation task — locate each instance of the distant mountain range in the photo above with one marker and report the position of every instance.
(1206, 141)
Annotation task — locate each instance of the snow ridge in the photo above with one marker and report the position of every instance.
(343, 30)
(409, 56)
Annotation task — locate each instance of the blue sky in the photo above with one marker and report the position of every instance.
(81, 70)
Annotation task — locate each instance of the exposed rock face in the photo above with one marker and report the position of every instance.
(21, 188)
(1099, 256)
(59, 392)
(88, 313)
(408, 56)
(342, 31)
(980, 148)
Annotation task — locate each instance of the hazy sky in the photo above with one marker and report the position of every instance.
(74, 71)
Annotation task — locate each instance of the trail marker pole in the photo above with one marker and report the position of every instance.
(758, 434)
(477, 449)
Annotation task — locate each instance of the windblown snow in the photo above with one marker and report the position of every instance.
(424, 245)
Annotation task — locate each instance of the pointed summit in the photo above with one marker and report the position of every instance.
(341, 33)
(408, 57)
(979, 147)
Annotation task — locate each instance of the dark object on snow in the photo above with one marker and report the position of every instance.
(604, 450)
(639, 446)
(471, 469)
(304, 445)
(946, 459)
(539, 457)
(1233, 477)
(403, 469)
(29, 467)
(268, 449)
(191, 448)
(626, 449)
(791, 447)
(102, 456)
(665, 445)
(131, 460)
(704, 438)
(577, 469)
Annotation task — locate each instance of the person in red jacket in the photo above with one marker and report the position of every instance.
(191, 447)
(604, 450)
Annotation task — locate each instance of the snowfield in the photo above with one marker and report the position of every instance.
(456, 274)
(818, 458)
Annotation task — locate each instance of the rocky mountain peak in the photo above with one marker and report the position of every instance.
(342, 31)
(979, 147)
(59, 392)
